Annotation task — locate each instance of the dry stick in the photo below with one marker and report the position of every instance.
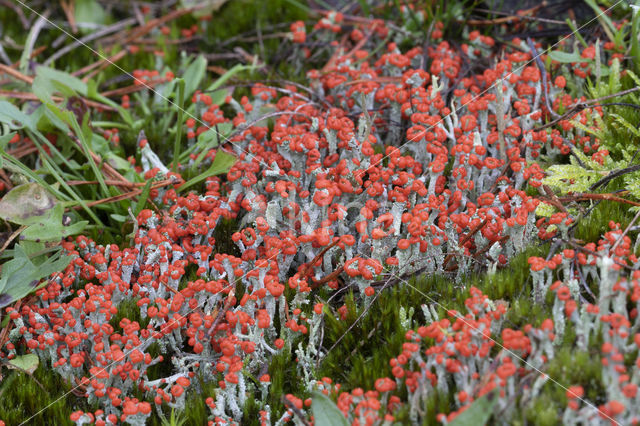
(225, 307)
(593, 253)
(93, 36)
(37, 27)
(138, 14)
(334, 57)
(464, 240)
(130, 89)
(108, 170)
(614, 174)
(308, 268)
(295, 410)
(543, 71)
(125, 196)
(18, 10)
(115, 58)
(16, 74)
(12, 237)
(584, 284)
(27, 96)
(331, 277)
(217, 69)
(374, 80)
(151, 41)
(524, 16)
(500, 119)
(582, 105)
(69, 11)
(99, 63)
(6, 180)
(553, 199)
(157, 22)
(621, 237)
(21, 152)
(589, 196)
(108, 182)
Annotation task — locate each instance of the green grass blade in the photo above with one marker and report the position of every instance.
(176, 144)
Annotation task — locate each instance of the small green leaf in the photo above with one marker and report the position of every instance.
(206, 141)
(566, 58)
(21, 276)
(193, 75)
(205, 8)
(227, 75)
(118, 217)
(218, 96)
(325, 411)
(144, 196)
(14, 118)
(27, 363)
(48, 81)
(90, 12)
(478, 413)
(221, 164)
(50, 228)
(26, 204)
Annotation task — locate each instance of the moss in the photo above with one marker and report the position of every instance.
(196, 411)
(284, 380)
(570, 367)
(222, 234)
(21, 397)
(543, 411)
(363, 354)
(128, 308)
(245, 17)
(590, 227)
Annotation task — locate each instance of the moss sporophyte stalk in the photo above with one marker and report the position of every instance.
(397, 231)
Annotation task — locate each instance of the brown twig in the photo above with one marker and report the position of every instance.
(523, 15)
(23, 150)
(18, 10)
(614, 174)
(12, 237)
(225, 308)
(108, 182)
(130, 89)
(109, 171)
(125, 196)
(331, 277)
(69, 10)
(145, 29)
(27, 96)
(582, 105)
(6, 180)
(626, 230)
(543, 71)
(308, 268)
(589, 196)
(553, 199)
(593, 253)
(464, 240)
(295, 410)
(16, 74)
(118, 26)
(100, 65)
